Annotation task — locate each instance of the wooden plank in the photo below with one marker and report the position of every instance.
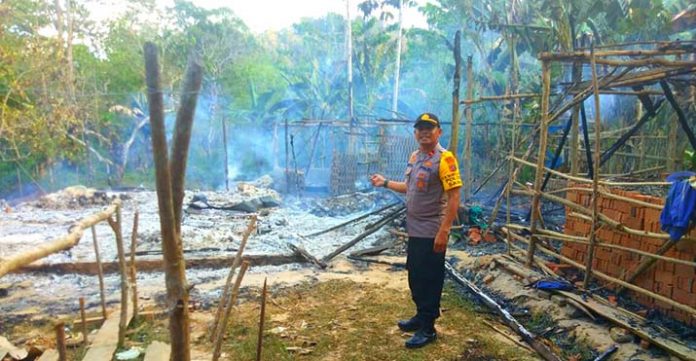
(157, 351)
(645, 331)
(157, 265)
(49, 355)
(106, 340)
(657, 336)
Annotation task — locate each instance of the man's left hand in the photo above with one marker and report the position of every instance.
(441, 239)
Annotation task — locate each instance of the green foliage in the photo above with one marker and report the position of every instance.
(690, 159)
(68, 102)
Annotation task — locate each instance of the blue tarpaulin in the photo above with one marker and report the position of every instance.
(680, 209)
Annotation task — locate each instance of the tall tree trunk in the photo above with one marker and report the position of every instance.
(170, 192)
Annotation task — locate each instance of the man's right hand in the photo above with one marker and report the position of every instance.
(377, 180)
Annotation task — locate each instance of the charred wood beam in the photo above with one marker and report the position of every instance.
(531, 339)
(351, 221)
(626, 136)
(645, 99)
(157, 265)
(680, 113)
(306, 255)
(586, 139)
(386, 219)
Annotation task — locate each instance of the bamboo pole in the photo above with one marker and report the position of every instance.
(60, 341)
(132, 267)
(587, 55)
(259, 342)
(574, 146)
(543, 136)
(500, 97)
(544, 233)
(100, 272)
(584, 180)
(595, 176)
(75, 234)
(123, 320)
(84, 322)
(454, 138)
(691, 311)
(228, 309)
(469, 122)
(230, 276)
(648, 262)
(225, 153)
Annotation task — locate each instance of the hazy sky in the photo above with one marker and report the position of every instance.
(262, 15)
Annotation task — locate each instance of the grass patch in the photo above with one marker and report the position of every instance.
(344, 320)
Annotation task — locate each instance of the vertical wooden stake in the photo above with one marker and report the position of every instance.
(116, 227)
(454, 137)
(60, 341)
(259, 342)
(228, 309)
(230, 276)
(84, 321)
(595, 176)
(132, 269)
(543, 136)
(469, 127)
(100, 272)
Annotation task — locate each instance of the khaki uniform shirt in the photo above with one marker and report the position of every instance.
(428, 176)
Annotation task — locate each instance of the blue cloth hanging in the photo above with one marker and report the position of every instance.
(680, 209)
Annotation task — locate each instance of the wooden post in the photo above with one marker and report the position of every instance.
(349, 65)
(454, 137)
(230, 276)
(100, 271)
(224, 148)
(132, 268)
(469, 127)
(259, 342)
(595, 175)
(397, 67)
(287, 158)
(84, 321)
(574, 145)
(60, 341)
(543, 136)
(228, 309)
(122, 325)
(175, 276)
(641, 139)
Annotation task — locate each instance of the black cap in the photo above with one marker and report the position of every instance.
(427, 118)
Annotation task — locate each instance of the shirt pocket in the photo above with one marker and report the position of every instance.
(422, 179)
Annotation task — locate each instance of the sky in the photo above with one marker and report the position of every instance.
(263, 15)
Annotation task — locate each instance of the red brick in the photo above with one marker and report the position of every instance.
(663, 277)
(683, 297)
(684, 284)
(682, 270)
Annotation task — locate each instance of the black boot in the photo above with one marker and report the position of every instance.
(410, 325)
(422, 337)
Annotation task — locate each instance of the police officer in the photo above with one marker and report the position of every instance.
(432, 186)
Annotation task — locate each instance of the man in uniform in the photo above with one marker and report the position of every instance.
(432, 186)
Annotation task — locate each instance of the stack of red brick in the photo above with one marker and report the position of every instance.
(675, 281)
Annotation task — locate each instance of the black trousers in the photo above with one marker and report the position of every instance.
(426, 275)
